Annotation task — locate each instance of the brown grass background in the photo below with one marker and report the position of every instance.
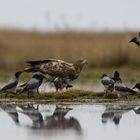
(101, 49)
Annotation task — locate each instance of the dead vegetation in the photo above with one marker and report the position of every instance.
(102, 49)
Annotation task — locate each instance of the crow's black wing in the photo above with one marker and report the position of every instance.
(9, 86)
(23, 85)
(124, 89)
(31, 86)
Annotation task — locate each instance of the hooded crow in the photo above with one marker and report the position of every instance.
(107, 82)
(122, 90)
(59, 84)
(136, 40)
(33, 84)
(137, 85)
(10, 87)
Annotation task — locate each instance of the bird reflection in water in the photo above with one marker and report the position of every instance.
(10, 109)
(137, 110)
(34, 114)
(57, 120)
(114, 115)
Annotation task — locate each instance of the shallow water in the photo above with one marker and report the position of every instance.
(71, 122)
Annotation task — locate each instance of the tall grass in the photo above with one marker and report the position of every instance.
(104, 49)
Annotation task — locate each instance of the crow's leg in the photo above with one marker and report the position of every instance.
(56, 89)
(28, 94)
(67, 88)
(32, 94)
(6, 95)
(37, 90)
(37, 108)
(15, 93)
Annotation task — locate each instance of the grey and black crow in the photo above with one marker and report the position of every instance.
(10, 87)
(33, 84)
(136, 40)
(122, 90)
(107, 82)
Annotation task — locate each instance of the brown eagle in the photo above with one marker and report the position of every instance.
(57, 68)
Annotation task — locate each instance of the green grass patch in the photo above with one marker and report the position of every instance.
(70, 96)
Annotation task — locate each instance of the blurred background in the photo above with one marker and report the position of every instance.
(71, 29)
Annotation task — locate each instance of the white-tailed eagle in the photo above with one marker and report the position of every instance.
(57, 68)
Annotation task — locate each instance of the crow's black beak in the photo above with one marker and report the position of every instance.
(134, 87)
(133, 40)
(130, 41)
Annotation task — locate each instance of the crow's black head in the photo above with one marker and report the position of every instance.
(116, 74)
(17, 74)
(39, 76)
(103, 76)
(135, 40)
(137, 86)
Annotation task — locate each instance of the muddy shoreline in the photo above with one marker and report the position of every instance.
(111, 102)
